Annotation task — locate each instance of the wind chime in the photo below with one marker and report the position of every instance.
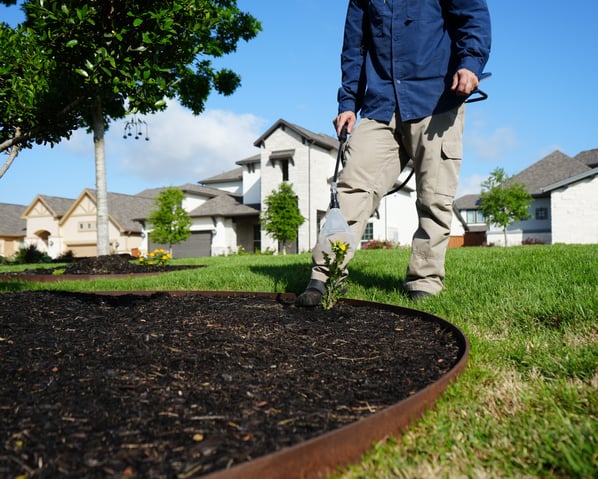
(135, 126)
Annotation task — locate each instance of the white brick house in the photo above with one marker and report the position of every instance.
(563, 209)
(574, 216)
(306, 160)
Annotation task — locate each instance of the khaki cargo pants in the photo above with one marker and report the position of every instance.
(375, 155)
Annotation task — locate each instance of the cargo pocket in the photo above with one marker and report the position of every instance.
(448, 172)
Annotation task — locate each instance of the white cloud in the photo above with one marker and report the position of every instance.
(187, 148)
(493, 147)
(472, 184)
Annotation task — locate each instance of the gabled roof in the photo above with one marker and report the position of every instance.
(11, 220)
(123, 210)
(553, 168)
(319, 139)
(223, 206)
(56, 205)
(589, 157)
(226, 177)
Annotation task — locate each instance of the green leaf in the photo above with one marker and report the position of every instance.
(137, 22)
(82, 72)
(72, 43)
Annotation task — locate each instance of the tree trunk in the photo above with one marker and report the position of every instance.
(12, 154)
(102, 226)
(504, 231)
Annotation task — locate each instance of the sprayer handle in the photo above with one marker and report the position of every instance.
(343, 136)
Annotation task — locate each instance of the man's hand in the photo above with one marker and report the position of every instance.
(464, 82)
(345, 118)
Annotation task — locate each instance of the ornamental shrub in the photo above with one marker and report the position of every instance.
(379, 244)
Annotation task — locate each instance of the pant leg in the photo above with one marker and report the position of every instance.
(435, 145)
(373, 163)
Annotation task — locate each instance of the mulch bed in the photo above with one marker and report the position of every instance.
(168, 386)
(99, 266)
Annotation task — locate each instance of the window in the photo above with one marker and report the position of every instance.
(85, 227)
(368, 234)
(284, 166)
(541, 213)
(474, 217)
(257, 238)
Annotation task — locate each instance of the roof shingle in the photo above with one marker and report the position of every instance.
(11, 221)
(551, 169)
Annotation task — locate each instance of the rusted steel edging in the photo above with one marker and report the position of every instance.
(322, 455)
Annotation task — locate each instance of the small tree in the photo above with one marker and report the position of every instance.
(503, 202)
(282, 216)
(170, 222)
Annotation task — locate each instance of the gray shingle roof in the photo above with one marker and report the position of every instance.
(186, 188)
(11, 221)
(551, 169)
(57, 205)
(468, 202)
(589, 157)
(231, 175)
(251, 159)
(126, 210)
(223, 206)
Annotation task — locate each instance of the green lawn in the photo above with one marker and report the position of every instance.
(527, 404)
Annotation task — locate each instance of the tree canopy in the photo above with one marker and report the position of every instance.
(282, 216)
(503, 201)
(85, 63)
(129, 55)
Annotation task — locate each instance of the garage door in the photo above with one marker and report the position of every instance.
(83, 250)
(198, 244)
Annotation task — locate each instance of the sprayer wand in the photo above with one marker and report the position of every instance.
(333, 191)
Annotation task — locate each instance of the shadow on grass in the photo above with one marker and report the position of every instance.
(294, 278)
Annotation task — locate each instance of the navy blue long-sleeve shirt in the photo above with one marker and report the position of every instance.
(401, 55)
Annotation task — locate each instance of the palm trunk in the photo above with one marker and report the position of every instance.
(102, 225)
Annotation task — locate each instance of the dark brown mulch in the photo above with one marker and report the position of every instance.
(178, 386)
(109, 264)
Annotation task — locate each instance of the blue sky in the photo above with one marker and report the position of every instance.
(542, 97)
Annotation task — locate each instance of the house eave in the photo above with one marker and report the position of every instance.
(566, 182)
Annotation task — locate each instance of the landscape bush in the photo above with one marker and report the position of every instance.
(31, 255)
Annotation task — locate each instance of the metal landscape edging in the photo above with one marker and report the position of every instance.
(324, 454)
